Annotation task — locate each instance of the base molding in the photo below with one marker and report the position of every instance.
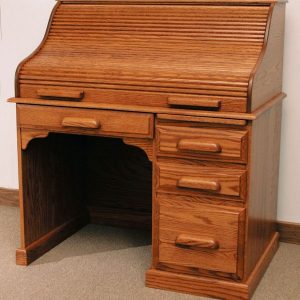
(289, 232)
(26, 256)
(202, 286)
(9, 197)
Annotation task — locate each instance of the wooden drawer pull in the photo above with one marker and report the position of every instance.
(60, 95)
(80, 123)
(195, 243)
(198, 183)
(196, 145)
(183, 101)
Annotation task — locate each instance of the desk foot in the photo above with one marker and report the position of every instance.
(26, 256)
(204, 286)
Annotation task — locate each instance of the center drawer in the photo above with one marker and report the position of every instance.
(202, 179)
(195, 235)
(86, 121)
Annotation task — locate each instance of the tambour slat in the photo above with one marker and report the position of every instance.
(202, 49)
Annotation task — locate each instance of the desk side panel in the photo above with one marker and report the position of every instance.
(266, 80)
(263, 184)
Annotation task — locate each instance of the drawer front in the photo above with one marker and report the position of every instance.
(202, 180)
(86, 121)
(175, 101)
(195, 235)
(208, 143)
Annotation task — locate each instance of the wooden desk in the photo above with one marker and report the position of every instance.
(163, 115)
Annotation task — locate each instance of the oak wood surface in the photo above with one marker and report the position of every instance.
(80, 123)
(120, 217)
(262, 184)
(57, 197)
(288, 231)
(188, 101)
(91, 122)
(266, 79)
(199, 183)
(117, 182)
(60, 94)
(232, 36)
(90, 22)
(205, 142)
(173, 108)
(198, 146)
(99, 94)
(151, 109)
(27, 135)
(213, 287)
(192, 242)
(202, 222)
(30, 253)
(178, 118)
(209, 180)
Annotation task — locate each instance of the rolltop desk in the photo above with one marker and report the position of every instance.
(162, 114)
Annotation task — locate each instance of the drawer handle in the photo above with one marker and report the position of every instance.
(81, 123)
(198, 183)
(195, 243)
(196, 145)
(184, 101)
(60, 95)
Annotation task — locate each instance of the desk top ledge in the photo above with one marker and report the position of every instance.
(154, 110)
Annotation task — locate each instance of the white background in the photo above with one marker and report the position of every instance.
(23, 23)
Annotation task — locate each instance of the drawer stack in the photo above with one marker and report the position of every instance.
(214, 203)
(201, 180)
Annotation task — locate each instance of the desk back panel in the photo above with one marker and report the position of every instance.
(118, 183)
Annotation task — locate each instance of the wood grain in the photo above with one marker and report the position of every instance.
(60, 94)
(26, 256)
(178, 118)
(198, 146)
(210, 180)
(88, 123)
(266, 79)
(193, 35)
(102, 94)
(27, 135)
(196, 243)
(289, 231)
(144, 144)
(199, 183)
(263, 184)
(85, 121)
(213, 287)
(173, 108)
(153, 109)
(118, 182)
(195, 102)
(202, 222)
(57, 196)
(231, 144)
(120, 217)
